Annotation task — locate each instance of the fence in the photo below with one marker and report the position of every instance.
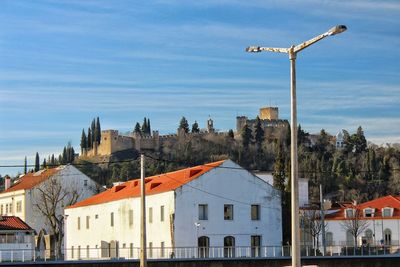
(27, 255)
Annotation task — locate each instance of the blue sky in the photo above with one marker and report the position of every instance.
(63, 63)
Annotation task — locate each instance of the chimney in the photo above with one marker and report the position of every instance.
(7, 182)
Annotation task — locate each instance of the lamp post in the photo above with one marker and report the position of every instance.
(292, 52)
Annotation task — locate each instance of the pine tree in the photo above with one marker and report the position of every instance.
(246, 136)
(52, 160)
(83, 141)
(25, 166)
(231, 134)
(279, 169)
(183, 125)
(64, 158)
(195, 127)
(37, 162)
(98, 131)
(44, 164)
(359, 140)
(137, 129)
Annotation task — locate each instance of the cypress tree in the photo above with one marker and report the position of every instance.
(148, 127)
(89, 139)
(246, 136)
(144, 126)
(64, 158)
(259, 133)
(52, 160)
(44, 164)
(98, 131)
(83, 141)
(25, 166)
(94, 134)
(37, 164)
(231, 134)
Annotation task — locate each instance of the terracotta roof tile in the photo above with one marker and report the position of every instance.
(154, 185)
(13, 223)
(30, 180)
(376, 204)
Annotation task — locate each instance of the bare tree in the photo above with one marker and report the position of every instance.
(51, 198)
(354, 223)
(312, 224)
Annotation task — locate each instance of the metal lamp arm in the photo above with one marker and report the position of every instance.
(301, 46)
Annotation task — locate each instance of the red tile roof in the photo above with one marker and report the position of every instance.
(154, 185)
(377, 205)
(30, 180)
(13, 223)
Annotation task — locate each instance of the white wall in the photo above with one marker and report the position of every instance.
(227, 185)
(100, 229)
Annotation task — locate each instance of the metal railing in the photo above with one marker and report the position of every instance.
(29, 255)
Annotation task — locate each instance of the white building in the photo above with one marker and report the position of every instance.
(24, 197)
(339, 141)
(379, 221)
(214, 205)
(16, 239)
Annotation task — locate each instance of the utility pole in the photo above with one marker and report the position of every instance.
(321, 200)
(143, 257)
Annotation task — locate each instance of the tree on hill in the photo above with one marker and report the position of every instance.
(37, 162)
(145, 127)
(89, 139)
(25, 166)
(246, 136)
(137, 129)
(259, 134)
(148, 127)
(83, 141)
(93, 131)
(359, 141)
(195, 127)
(98, 131)
(183, 125)
(231, 134)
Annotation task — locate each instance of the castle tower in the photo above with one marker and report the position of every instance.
(210, 125)
(269, 113)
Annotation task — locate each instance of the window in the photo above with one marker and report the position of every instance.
(162, 249)
(369, 236)
(255, 245)
(6, 209)
(228, 212)
(162, 213)
(1, 209)
(131, 250)
(87, 222)
(19, 206)
(349, 238)
(387, 212)
(349, 213)
(203, 212)
(79, 223)
(96, 216)
(150, 249)
(85, 182)
(112, 219)
(150, 215)
(368, 212)
(229, 246)
(388, 237)
(130, 217)
(255, 212)
(203, 244)
(10, 207)
(329, 238)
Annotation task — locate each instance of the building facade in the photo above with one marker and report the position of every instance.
(24, 197)
(377, 221)
(213, 205)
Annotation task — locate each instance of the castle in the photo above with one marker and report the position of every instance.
(112, 141)
(269, 119)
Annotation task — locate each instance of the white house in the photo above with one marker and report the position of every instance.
(24, 198)
(16, 239)
(214, 205)
(378, 221)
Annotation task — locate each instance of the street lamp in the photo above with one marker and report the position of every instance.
(292, 52)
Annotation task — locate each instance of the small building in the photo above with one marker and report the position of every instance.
(217, 208)
(24, 198)
(377, 220)
(16, 239)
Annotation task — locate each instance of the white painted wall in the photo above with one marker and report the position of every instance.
(100, 228)
(228, 184)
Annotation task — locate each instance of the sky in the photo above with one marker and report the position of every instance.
(63, 63)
